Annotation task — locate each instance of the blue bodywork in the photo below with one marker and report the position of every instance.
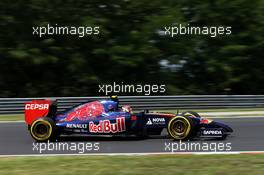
(133, 123)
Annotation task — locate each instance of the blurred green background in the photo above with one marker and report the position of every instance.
(130, 48)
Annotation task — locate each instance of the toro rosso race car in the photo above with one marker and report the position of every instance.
(104, 117)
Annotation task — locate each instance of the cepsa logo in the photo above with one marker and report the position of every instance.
(36, 106)
(105, 126)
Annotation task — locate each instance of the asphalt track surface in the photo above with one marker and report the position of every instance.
(248, 136)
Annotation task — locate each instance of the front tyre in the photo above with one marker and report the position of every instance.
(180, 128)
(191, 113)
(43, 129)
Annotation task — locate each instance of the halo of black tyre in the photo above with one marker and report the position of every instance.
(43, 129)
(180, 128)
(186, 113)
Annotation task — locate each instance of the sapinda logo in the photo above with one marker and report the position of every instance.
(105, 126)
(212, 132)
(36, 106)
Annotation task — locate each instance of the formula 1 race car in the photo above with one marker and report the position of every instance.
(104, 117)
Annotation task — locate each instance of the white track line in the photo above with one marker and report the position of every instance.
(137, 154)
(233, 113)
(234, 117)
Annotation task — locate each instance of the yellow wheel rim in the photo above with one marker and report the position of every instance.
(179, 127)
(41, 130)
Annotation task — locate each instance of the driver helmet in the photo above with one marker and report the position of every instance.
(114, 98)
(126, 108)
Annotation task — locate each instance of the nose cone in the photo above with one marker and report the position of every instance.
(224, 126)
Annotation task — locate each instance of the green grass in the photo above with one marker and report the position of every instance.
(12, 117)
(16, 117)
(158, 164)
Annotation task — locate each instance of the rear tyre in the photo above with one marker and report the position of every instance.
(180, 128)
(43, 129)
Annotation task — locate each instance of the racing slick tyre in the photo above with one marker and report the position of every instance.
(180, 128)
(191, 113)
(43, 129)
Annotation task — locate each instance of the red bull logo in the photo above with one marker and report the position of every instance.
(105, 126)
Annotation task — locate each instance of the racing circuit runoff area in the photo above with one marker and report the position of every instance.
(247, 138)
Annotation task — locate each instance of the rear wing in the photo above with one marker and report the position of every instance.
(38, 109)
